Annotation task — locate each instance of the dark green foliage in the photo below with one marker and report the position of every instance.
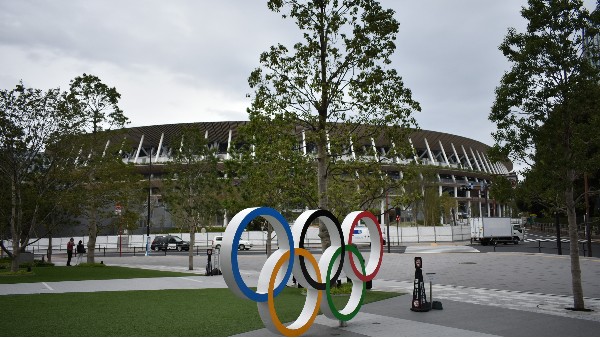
(547, 107)
(32, 170)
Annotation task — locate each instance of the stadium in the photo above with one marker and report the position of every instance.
(462, 166)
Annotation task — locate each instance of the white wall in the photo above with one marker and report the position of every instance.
(398, 235)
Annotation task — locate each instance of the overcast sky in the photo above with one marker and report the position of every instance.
(188, 60)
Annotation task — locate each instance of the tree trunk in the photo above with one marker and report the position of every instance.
(191, 250)
(15, 224)
(322, 142)
(93, 230)
(322, 185)
(268, 244)
(49, 251)
(578, 303)
(588, 224)
(558, 239)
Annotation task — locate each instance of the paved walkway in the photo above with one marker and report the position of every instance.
(483, 294)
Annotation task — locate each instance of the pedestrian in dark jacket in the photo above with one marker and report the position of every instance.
(80, 252)
(70, 247)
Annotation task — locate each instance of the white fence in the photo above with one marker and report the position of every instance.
(398, 235)
(417, 234)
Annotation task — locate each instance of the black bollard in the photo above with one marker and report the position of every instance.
(296, 282)
(419, 301)
(209, 269)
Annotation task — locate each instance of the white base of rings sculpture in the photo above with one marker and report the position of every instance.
(291, 256)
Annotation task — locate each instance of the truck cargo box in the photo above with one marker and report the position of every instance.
(497, 227)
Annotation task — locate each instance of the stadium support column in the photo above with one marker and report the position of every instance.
(444, 154)
(479, 203)
(468, 203)
(467, 157)
(474, 159)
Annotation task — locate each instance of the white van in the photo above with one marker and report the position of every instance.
(362, 235)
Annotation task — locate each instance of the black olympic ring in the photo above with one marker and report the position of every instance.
(324, 216)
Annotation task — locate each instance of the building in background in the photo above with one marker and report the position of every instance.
(592, 45)
(462, 167)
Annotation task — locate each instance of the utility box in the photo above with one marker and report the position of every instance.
(25, 257)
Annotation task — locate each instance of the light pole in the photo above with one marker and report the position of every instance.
(118, 212)
(387, 221)
(149, 192)
(484, 188)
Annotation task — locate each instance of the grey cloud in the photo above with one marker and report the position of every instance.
(447, 50)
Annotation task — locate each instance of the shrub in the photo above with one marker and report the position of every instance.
(39, 263)
(16, 274)
(27, 265)
(92, 265)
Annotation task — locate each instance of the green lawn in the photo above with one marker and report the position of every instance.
(74, 273)
(202, 312)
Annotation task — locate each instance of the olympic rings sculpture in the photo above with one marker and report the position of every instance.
(291, 257)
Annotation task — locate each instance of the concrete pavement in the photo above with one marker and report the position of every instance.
(501, 294)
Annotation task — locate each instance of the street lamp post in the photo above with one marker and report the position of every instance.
(118, 212)
(387, 221)
(149, 192)
(484, 188)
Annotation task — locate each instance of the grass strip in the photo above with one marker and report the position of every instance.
(84, 272)
(201, 312)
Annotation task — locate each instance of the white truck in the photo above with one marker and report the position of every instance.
(493, 230)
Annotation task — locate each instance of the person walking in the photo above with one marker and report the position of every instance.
(80, 252)
(70, 246)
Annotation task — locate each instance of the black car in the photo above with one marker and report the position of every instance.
(169, 243)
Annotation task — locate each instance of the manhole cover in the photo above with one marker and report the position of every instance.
(467, 263)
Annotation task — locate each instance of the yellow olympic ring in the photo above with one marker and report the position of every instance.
(311, 306)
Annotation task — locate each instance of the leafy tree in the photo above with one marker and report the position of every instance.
(410, 194)
(546, 107)
(105, 179)
(53, 196)
(535, 191)
(30, 123)
(95, 105)
(502, 190)
(431, 206)
(447, 203)
(362, 181)
(192, 191)
(269, 169)
(336, 83)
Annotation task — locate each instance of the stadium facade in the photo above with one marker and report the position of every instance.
(462, 165)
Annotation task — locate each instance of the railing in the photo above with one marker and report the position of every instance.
(550, 228)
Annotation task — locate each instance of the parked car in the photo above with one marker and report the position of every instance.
(169, 243)
(243, 245)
